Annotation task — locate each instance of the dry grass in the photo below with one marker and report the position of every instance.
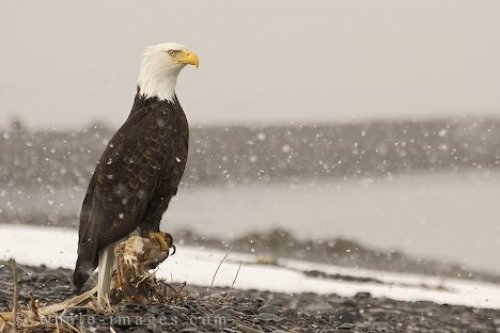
(32, 317)
(234, 280)
(217, 271)
(132, 283)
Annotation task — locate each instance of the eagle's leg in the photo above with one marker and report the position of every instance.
(105, 268)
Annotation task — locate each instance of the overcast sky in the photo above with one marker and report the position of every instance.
(66, 63)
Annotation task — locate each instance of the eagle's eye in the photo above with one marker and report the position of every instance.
(171, 52)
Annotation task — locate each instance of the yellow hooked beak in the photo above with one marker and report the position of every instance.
(188, 57)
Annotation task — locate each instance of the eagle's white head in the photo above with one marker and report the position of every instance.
(160, 66)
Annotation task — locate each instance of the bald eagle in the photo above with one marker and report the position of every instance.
(140, 169)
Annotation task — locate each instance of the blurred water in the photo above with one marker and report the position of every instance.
(443, 216)
(447, 216)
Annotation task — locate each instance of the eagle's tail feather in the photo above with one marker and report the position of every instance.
(83, 271)
(105, 268)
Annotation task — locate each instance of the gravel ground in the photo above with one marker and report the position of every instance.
(250, 311)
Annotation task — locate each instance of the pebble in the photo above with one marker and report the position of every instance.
(247, 329)
(269, 308)
(346, 316)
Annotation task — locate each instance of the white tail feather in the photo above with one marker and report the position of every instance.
(105, 268)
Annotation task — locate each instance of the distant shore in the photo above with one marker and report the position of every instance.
(252, 154)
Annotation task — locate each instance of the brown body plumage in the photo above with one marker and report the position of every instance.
(134, 180)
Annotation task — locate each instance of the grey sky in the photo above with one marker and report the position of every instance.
(65, 63)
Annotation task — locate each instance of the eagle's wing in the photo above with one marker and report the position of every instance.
(119, 191)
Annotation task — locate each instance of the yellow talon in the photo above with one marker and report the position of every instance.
(162, 239)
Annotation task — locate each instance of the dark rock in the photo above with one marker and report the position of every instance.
(346, 316)
(134, 308)
(290, 313)
(363, 295)
(346, 326)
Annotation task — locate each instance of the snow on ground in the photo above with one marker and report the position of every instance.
(56, 247)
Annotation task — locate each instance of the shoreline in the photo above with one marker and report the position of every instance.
(277, 244)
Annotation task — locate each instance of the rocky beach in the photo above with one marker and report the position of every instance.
(202, 309)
